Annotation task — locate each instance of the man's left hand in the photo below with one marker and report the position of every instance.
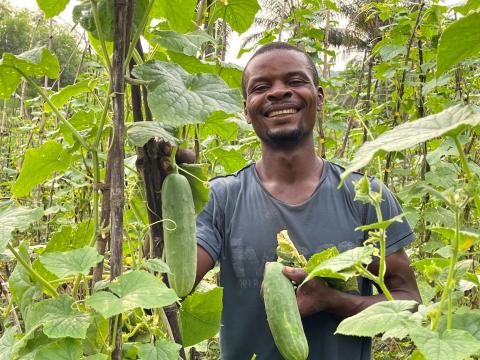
(313, 296)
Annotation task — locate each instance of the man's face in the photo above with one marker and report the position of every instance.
(282, 99)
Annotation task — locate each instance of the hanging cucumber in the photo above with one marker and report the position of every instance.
(179, 237)
(282, 313)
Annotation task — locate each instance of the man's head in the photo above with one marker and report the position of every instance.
(279, 46)
(282, 97)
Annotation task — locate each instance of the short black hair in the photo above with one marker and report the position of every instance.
(279, 45)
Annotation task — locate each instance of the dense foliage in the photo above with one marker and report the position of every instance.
(81, 243)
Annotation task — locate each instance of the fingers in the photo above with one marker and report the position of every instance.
(297, 275)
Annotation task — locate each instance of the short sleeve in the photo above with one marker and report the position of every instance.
(210, 226)
(399, 234)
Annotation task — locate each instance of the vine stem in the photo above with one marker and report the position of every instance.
(96, 19)
(31, 270)
(41, 92)
(451, 271)
(466, 168)
(137, 34)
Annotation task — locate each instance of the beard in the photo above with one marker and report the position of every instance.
(285, 137)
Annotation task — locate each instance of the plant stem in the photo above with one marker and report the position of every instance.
(41, 92)
(100, 35)
(32, 271)
(450, 277)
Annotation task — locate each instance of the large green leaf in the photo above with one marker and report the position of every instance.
(197, 176)
(38, 166)
(450, 345)
(162, 350)
(19, 218)
(200, 316)
(177, 98)
(188, 44)
(239, 14)
(342, 266)
(377, 318)
(52, 8)
(231, 158)
(60, 318)
(68, 238)
(24, 290)
(218, 125)
(448, 122)
(35, 62)
(84, 122)
(7, 344)
(63, 349)
(178, 13)
(83, 14)
(469, 321)
(136, 289)
(230, 73)
(459, 41)
(61, 98)
(140, 133)
(73, 262)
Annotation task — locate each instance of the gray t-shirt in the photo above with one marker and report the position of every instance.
(238, 228)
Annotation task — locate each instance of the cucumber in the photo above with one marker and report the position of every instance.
(179, 238)
(282, 313)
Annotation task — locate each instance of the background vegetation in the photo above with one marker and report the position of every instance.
(91, 113)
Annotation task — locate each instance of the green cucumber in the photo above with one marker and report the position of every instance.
(282, 313)
(179, 237)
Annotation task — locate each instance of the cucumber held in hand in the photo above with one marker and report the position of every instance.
(179, 238)
(282, 313)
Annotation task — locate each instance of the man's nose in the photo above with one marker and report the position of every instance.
(279, 90)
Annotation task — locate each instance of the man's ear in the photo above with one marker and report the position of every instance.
(245, 112)
(321, 96)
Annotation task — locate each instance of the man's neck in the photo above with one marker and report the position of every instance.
(289, 165)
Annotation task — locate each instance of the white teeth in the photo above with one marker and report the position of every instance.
(283, 111)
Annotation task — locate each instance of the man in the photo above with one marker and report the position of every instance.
(290, 188)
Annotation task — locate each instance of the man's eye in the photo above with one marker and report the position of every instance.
(297, 82)
(259, 88)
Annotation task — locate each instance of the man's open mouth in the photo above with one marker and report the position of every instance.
(281, 112)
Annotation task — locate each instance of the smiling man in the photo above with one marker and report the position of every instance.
(290, 188)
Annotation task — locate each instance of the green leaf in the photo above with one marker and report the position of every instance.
(231, 159)
(61, 98)
(230, 73)
(469, 321)
(377, 318)
(449, 122)
(239, 14)
(136, 289)
(16, 218)
(198, 183)
(342, 266)
(156, 265)
(35, 62)
(188, 44)
(466, 8)
(318, 258)
(6, 344)
(60, 318)
(162, 350)
(459, 41)
(97, 357)
(140, 133)
(64, 349)
(200, 316)
(217, 125)
(177, 98)
(83, 122)
(382, 224)
(72, 262)
(450, 345)
(178, 13)
(83, 14)
(38, 166)
(24, 290)
(68, 238)
(52, 8)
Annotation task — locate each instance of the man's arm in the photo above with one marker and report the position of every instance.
(204, 264)
(315, 295)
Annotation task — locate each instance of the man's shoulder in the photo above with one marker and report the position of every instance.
(334, 174)
(234, 181)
